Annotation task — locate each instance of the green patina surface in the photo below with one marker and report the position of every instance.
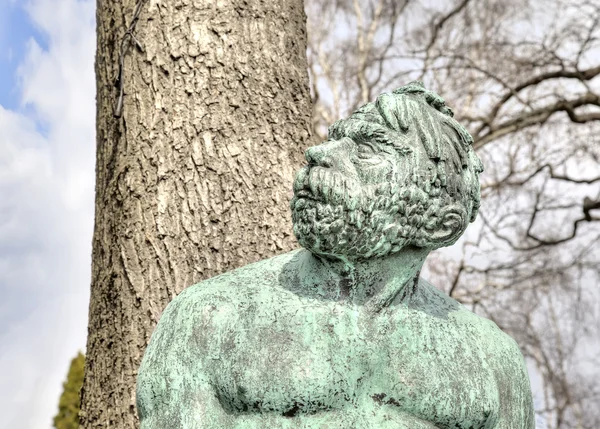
(344, 333)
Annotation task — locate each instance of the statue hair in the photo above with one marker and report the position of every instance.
(411, 113)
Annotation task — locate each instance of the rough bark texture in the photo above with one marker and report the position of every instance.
(195, 176)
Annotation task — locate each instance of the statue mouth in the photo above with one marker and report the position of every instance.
(306, 193)
(302, 184)
(301, 179)
(323, 185)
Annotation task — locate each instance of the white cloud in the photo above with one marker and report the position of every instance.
(46, 213)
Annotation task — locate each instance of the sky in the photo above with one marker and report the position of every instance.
(47, 116)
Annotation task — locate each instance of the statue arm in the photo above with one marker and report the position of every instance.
(516, 399)
(173, 388)
(181, 410)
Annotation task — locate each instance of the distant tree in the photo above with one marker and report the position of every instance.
(68, 405)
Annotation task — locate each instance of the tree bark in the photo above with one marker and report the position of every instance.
(194, 174)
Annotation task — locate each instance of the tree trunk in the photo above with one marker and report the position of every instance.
(194, 176)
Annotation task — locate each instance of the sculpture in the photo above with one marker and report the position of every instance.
(345, 334)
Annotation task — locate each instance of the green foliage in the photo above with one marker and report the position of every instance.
(68, 405)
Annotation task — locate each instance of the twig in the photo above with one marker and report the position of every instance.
(128, 37)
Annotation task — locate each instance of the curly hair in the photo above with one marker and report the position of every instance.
(414, 114)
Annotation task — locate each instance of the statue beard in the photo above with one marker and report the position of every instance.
(336, 216)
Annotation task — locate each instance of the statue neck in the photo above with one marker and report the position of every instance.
(374, 283)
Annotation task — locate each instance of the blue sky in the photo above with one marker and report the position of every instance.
(47, 148)
(16, 30)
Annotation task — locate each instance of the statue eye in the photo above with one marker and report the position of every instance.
(365, 150)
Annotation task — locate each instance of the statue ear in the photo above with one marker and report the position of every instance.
(451, 223)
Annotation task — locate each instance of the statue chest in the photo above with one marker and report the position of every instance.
(292, 360)
(435, 370)
(299, 360)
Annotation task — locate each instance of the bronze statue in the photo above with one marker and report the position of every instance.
(344, 334)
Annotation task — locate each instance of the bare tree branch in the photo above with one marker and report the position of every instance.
(584, 75)
(539, 117)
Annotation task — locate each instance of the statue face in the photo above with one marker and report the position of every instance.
(347, 200)
(398, 171)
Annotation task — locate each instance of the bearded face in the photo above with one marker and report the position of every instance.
(400, 171)
(353, 200)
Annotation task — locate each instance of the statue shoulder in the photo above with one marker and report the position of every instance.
(433, 301)
(234, 288)
(500, 351)
(264, 273)
(438, 304)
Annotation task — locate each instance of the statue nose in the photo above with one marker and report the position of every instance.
(317, 156)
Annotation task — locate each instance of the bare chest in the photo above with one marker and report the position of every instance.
(311, 360)
(434, 369)
(292, 361)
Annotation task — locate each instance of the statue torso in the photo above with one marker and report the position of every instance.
(274, 352)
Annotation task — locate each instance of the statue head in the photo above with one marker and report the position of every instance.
(398, 172)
